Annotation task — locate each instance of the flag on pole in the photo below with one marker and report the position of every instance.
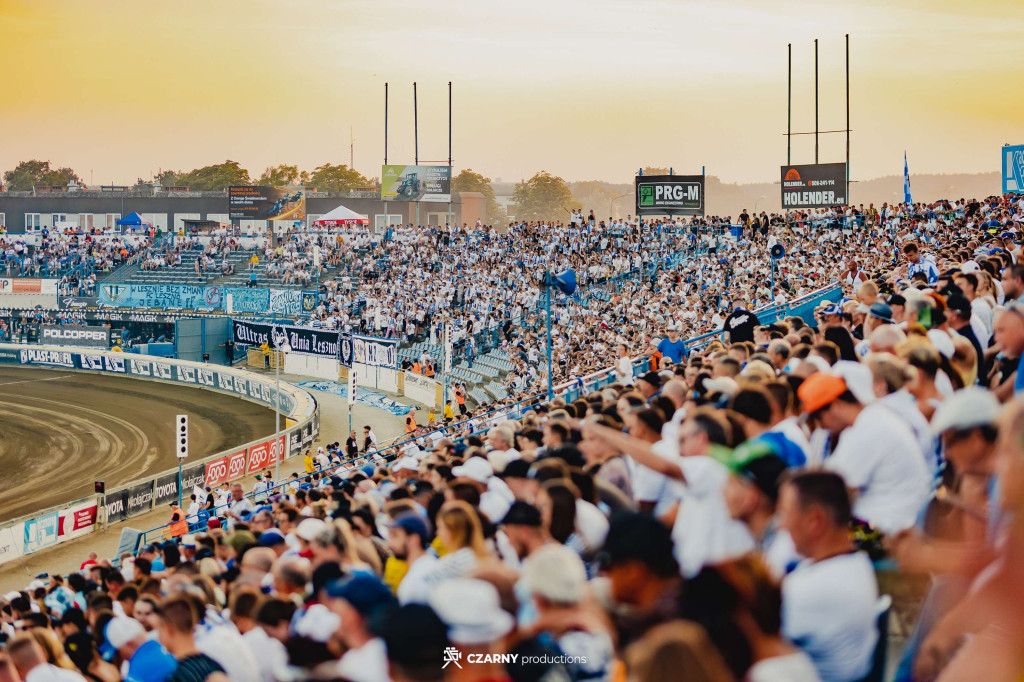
(906, 182)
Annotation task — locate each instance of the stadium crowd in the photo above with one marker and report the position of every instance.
(741, 510)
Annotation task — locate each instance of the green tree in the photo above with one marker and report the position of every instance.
(543, 197)
(331, 178)
(595, 196)
(213, 178)
(281, 176)
(168, 178)
(35, 173)
(468, 181)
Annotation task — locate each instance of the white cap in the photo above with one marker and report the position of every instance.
(858, 379)
(967, 408)
(472, 611)
(121, 630)
(476, 468)
(309, 529)
(942, 342)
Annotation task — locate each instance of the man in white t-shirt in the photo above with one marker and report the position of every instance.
(829, 600)
(877, 454)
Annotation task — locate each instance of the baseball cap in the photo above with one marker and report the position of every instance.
(117, 632)
(522, 514)
(366, 593)
(213, 523)
(188, 540)
(415, 637)
(819, 390)
(896, 299)
(763, 472)
(517, 468)
(413, 525)
(966, 409)
(960, 304)
(653, 378)
(271, 538)
(476, 468)
(309, 529)
(881, 311)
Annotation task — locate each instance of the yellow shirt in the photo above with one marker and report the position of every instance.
(308, 461)
(394, 572)
(448, 413)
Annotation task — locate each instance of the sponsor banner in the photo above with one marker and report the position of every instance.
(74, 335)
(116, 506)
(10, 356)
(246, 300)
(369, 350)
(193, 476)
(12, 542)
(670, 195)
(264, 455)
(416, 183)
(1013, 169)
(41, 532)
(224, 469)
(261, 202)
(162, 296)
(53, 358)
(420, 388)
(309, 300)
(294, 443)
(104, 363)
(140, 499)
(27, 286)
(166, 489)
(820, 185)
(307, 434)
(78, 520)
(318, 342)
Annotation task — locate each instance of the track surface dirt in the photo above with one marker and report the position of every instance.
(60, 431)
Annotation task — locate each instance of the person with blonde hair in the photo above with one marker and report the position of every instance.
(668, 649)
(461, 539)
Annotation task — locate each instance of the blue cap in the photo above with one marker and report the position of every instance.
(366, 593)
(833, 310)
(413, 524)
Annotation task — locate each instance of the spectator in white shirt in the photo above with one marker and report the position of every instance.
(409, 539)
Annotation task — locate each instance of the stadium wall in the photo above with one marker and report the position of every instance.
(58, 524)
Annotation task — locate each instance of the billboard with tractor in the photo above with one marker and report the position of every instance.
(416, 183)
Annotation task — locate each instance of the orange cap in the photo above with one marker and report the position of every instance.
(820, 390)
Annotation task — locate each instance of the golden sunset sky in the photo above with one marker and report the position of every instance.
(587, 89)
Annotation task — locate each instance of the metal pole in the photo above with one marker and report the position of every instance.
(179, 482)
(547, 286)
(815, 100)
(848, 119)
(789, 108)
(385, 148)
(449, 152)
(277, 413)
(415, 124)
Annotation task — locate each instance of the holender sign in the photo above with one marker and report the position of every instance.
(821, 185)
(670, 195)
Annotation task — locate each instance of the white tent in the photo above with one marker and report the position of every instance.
(341, 216)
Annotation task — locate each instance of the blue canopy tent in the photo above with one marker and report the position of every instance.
(134, 221)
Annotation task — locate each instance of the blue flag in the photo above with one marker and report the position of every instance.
(906, 182)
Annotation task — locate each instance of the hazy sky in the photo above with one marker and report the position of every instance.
(587, 89)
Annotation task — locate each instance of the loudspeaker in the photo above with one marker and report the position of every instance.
(778, 252)
(565, 282)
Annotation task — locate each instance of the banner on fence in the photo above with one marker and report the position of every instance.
(166, 489)
(40, 532)
(116, 506)
(179, 296)
(305, 341)
(420, 388)
(27, 286)
(246, 300)
(224, 469)
(12, 542)
(193, 476)
(368, 350)
(78, 520)
(264, 455)
(74, 335)
(140, 499)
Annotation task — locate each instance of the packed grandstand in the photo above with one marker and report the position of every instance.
(723, 490)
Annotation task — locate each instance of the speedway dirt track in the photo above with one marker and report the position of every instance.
(62, 430)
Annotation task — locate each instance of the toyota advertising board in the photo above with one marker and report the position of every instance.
(416, 183)
(670, 195)
(74, 335)
(261, 202)
(817, 185)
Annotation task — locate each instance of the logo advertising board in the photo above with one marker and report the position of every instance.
(261, 202)
(116, 506)
(416, 183)
(54, 358)
(74, 335)
(140, 499)
(264, 455)
(166, 489)
(41, 532)
(225, 469)
(670, 195)
(193, 476)
(1013, 169)
(820, 185)
(77, 519)
(27, 286)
